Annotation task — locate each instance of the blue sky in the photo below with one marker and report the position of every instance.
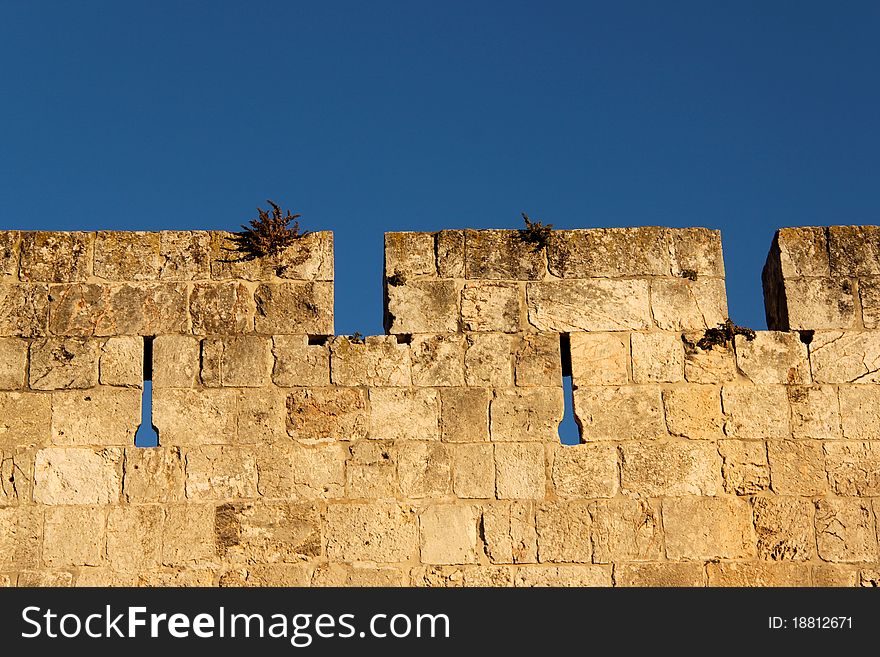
(375, 116)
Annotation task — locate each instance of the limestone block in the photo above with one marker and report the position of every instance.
(229, 261)
(184, 255)
(243, 361)
(134, 537)
(679, 304)
(122, 362)
(438, 360)
(34, 578)
(189, 577)
(21, 536)
(176, 361)
(65, 475)
(835, 575)
(381, 532)
(490, 306)
(696, 250)
(461, 576)
(127, 256)
(508, 529)
(657, 358)
(24, 309)
(308, 258)
(854, 250)
(759, 411)
(784, 527)
(371, 472)
(448, 534)
(676, 575)
(869, 296)
(13, 363)
(424, 469)
(16, 475)
(574, 575)
(694, 411)
(526, 414)
(625, 530)
(268, 575)
(73, 536)
(519, 471)
(464, 414)
(276, 532)
(153, 475)
(758, 574)
(609, 252)
(860, 411)
(846, 530)
(853, 468)
(672, 468)
(357, 575)
(58, 363)
(226, 308)
(301, 472)
(619, 413)
(24, 419)
(327, 414)
(56, 257)
(745, 468)
(502, 254)
(298, 363)
(101, 416)
(585, 471)
(404, 413)
(378, 361)
(538, 361)
(410, 254)
(773, 357)
(450, 253)
(589, 305)
(261, 418)
(707, 528)
(803, 251)
(814, 412)
(819, 303)
(473, 471)
(218, 472)
(715, 365)
(10, 254)
(186, 416)
(189, 535)
(797, 467)
(487, 360)
(564, 532)
(599, 358)
(423, 307)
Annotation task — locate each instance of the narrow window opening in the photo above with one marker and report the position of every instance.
(569, 431)
(318, 340)
(147, 435)
(404, 338)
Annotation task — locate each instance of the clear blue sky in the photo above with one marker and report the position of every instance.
(375, 116)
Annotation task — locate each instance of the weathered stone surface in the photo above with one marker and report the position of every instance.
(10, 254)
(819, 303)
(423, 307)
(784, 527)
(464, 415)
(327, 414)
(175, 361)
(224, 308)
(73, 536)
(487, 360)
(243, 361)
(715, 365)
(758, 574)
(186, 416)
(127, 256)
(371, 472)
(519, 471)
(599, 359)
(803, 251)
(576, 575)
(197, 576)
(24, 309)
(625, 530)
(745, 468)
(410, 254)
(585, 471)
(450, 253)
(189, 534)
(153, 475)
(404, 413)
(694, 411)
(55, 257)
(378, 361)
(184, 255)
(448, 534)
(461, 576)
(526, 414)
(589, 305)
(424, 469)
(357, 575)
(860, 411)
(657, 357)
(707, 528)
(773, 357)
(134, 537)
(696, 250)
(101, 416)
(814, 412)
(29, 578)
(298, 363)
(674, 575)
(122, 362)
(13, 363)
(490, 306)
(65, 475)
(759, 411)
(846, 530)
(679, 304)
(609, 252)
(869, 296)
(301, 472)
(797, 467)
(438, 360)
(16, 475)
(538, 360)
(380, 531)
(219, 472)
(564, 533)
(854, 250)
(25, 418)
(619, 413)
(21, 536)
(308, 258)
(58, 363)
(283, 574)
(835, 575)
(275, 532)
(261, 419)
(473, 471)
(502, 254)
(853, 468)
(508, 530)
(673, 468)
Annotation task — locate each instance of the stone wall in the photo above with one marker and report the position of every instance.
(430, 456)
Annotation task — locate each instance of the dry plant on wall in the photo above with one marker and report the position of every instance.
(269, 234)
(535, 232)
